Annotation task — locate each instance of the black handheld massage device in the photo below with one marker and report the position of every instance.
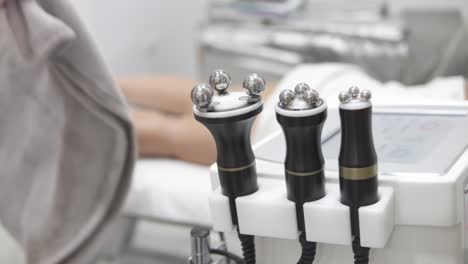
(302, 114)
(357, 161)
(229, 117)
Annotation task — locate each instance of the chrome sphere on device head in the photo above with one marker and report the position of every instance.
(254, 85)
(286, 97)
(344, 97)
(202, 96)
(220, 81)
(311, 97)
(366, 95)
(353, 92)
(301, 88)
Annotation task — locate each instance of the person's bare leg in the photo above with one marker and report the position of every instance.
(169, 94)
(153, 133)
(180, 137)
(194, 142)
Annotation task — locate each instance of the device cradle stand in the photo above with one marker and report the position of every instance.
(268, 213)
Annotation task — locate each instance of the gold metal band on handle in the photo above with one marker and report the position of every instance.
(357, 174)
(236, 169)
(301, 174)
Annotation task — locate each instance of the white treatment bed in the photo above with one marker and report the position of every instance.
(170, 190)
(167, 198)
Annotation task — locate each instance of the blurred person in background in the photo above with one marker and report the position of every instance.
(165, 126)
(163, 118)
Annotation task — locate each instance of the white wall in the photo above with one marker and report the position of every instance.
(145, 36)
(158, 36)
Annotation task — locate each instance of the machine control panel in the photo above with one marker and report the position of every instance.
(414, 142)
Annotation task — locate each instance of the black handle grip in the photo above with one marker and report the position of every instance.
(235, 157)
(357, 159)
(305, 178)
(357, 143)
(304, 159)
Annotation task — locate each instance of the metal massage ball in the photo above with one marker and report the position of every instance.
(344, 97)
(301, 88)
(286, 97)
(202, 96)
(353, 92)
(311, 96)
(254, 85)
(220, 81)
(366, 95)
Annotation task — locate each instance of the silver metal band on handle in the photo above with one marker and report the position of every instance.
(236, 169)
(302, 174)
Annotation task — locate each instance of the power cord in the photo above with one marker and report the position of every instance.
(248, 247)
(308, 250)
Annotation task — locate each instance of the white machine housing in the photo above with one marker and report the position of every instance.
(420, 218)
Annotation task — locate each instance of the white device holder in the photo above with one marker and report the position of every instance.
(268, 213)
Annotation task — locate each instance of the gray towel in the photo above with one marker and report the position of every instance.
(66, 141)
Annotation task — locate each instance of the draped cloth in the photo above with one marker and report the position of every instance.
(66, 140)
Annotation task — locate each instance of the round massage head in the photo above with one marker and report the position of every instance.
(303, 101)
(225, 104)
(354, 99)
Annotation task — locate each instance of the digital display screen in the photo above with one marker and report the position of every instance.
(402, 138)
(405, 142)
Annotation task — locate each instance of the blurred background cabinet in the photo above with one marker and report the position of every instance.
(160, 36)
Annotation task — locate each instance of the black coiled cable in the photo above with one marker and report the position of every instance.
(248, 247)
(308, 250)
(361, 254)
